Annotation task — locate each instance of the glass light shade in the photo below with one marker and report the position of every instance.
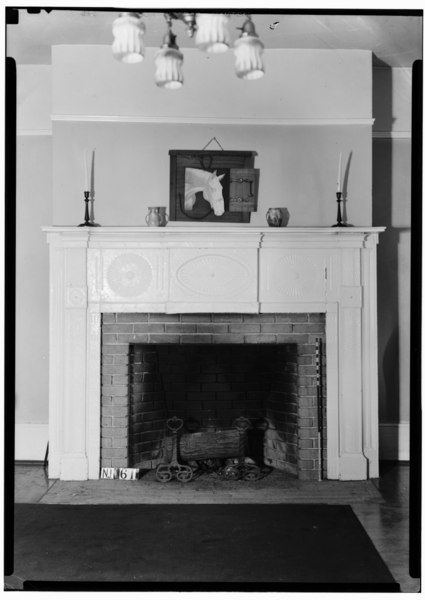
(168, 73)
(128, 45)
(211, 32)
(249, 62)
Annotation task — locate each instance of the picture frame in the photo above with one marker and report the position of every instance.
(229, 174)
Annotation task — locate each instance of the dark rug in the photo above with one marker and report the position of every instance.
(192, 547)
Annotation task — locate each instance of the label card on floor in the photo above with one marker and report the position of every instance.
(126, 474)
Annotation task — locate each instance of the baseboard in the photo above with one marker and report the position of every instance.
(31, 441)
(394, 441)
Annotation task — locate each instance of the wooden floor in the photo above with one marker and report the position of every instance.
(381, 505)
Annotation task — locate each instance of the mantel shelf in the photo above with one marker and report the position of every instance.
(221, 229)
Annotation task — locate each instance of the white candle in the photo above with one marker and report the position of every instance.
(92, 172)
(86, 172)
(338, 181)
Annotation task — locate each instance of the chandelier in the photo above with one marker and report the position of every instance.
(211, 35)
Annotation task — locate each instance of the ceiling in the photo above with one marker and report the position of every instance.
(395, 40)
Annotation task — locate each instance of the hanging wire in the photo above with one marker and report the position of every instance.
(213, 139)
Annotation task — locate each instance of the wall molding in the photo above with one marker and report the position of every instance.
(21, 132)
(31, 441)
(393, 135)
(394, 439)
(213, 120)
(208, 120)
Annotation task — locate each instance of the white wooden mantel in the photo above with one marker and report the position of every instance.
(242, 269)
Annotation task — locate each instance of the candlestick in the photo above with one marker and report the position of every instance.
(338, 181)
(86, 213)
(88, 222)
(339, 222)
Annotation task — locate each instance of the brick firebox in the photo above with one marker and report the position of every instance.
(147, 377)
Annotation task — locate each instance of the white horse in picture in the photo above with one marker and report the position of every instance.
(197, 180)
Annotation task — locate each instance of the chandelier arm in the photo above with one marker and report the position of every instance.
(189, 19)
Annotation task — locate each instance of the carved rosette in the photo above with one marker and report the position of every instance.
(213, 275)
(129, 275)
(76, 297)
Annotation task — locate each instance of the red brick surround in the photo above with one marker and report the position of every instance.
(137, 398)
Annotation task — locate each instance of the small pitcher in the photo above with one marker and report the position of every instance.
(153, 218)
(163, 215)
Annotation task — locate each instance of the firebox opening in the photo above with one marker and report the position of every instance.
(208, 388)
(208, 384)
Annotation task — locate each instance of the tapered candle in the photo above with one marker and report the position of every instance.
(338, 181)
(86, 172)
(92, 186)
(92, 173)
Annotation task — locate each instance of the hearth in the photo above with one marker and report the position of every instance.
(193, 271)
(208, 370)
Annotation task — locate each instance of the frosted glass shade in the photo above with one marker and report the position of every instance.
(128, 45)
(169, 73)
(249, 61)
(211, 32)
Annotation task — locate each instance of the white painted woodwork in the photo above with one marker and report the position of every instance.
(211, 269)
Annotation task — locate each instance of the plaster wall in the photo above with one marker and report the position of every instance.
(393, 209)
(392, 97)
(298, 168)
(33, 209)
(320, 84)
(391, 182)
(34, 99)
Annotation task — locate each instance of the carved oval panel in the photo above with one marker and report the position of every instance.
(213, 275)
(129, 275)
(300, 276)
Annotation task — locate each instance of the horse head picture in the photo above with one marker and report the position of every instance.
(198, 180)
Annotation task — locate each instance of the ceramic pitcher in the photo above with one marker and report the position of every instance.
(153, 218)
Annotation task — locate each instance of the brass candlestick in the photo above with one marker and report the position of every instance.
(339, 217)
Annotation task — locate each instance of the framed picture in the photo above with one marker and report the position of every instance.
(213, 186)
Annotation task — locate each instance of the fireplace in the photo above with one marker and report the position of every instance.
(203, 274)
(210, 369)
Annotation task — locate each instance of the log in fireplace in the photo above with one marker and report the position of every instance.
(259, 275)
